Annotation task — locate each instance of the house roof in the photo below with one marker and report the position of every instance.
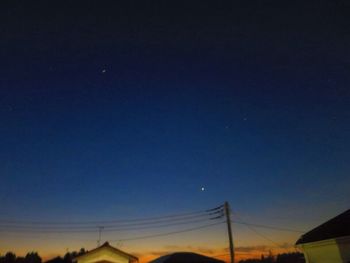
(185, 257)
(108, 246)
(338, 226)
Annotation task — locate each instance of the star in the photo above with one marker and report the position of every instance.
(103, 71)
(202, 189)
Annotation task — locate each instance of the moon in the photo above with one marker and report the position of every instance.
(202, 189)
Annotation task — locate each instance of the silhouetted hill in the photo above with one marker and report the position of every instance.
(185, 257)
(56, 260)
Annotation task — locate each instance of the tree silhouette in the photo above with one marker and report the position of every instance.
(32, 257)
(294, 257)
(9, 257)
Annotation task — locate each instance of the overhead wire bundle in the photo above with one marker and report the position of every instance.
(197, 220)
(171, 224)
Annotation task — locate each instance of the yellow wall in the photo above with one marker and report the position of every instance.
(104, 254)
(327, 251)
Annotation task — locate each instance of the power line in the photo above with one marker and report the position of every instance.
(168, 233)
(15, 235)
(227, 254)
(268, 226)
(139, 237)
(263, 236)
(132, 224)
(121, 221)
(251, 227)
(222, 255)
(125, 225)
(94, 229)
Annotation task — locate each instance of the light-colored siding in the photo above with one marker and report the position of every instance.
(104, 254)
(327, 251)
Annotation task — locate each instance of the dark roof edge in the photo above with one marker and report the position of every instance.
(333, 228)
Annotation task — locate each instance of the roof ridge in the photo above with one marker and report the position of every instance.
(338, 226)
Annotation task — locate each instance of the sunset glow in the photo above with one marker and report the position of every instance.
(158, 126)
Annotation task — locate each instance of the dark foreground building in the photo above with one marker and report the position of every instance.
(185, 257)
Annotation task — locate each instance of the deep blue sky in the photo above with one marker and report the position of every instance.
(131, 109)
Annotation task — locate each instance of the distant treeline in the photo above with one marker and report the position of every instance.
(33, 257)
(294, 257)
(9, 257)
(68, 257)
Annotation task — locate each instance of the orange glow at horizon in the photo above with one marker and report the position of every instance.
(211, 242)
(145, 256)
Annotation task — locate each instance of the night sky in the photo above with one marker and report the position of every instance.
(112, 110)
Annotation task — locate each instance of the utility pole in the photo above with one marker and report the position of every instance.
(228, 221)
(100, 228)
